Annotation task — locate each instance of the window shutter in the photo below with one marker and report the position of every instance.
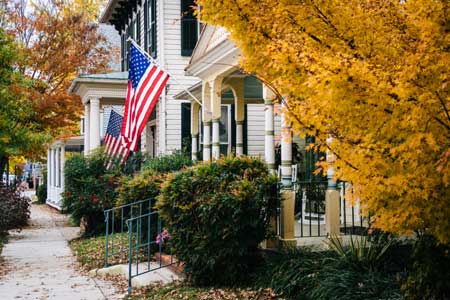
(245, 131)
(138, 28)
(186, 140)
(189, 30)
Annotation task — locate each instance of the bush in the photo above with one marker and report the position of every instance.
(89, 189)
(145, 185)
(168, 163)
(356, 271)
(41, 194)
(217, 214)
(291, 273)
(14, 209)
(430, 274)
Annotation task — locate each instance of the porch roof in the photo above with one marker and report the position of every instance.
(252, 90)
(102, 86)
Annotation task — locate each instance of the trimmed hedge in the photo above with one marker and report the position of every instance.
(217, 214)
(41, 194)
(89, 189)
(145, 185)
(168, 163)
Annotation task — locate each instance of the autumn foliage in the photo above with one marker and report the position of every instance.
(56, 40)
(374, 76)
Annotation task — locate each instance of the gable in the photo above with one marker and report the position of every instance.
(210, 37)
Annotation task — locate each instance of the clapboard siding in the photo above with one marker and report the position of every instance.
(175, 64)
(255, 129)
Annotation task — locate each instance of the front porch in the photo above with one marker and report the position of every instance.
(232, 112)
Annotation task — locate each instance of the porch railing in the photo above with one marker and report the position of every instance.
(116, 238)
(310, 210)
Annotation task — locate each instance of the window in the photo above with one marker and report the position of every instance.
(227, 127)
(189, 27)
(150, 27)
(225, 130)
(186, 141)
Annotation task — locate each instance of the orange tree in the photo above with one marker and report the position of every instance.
(56, 40)
(374, 76)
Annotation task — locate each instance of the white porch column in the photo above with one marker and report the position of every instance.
(286, 150)
(94, 130)
(269, 146)
(332, 219)
(101, 133)
(63, 160)
(87, 116)
(216, 100)
(58, 167)
(53, 169)
(206, 118)
(194, 129)
(49, 167)
(237, 85)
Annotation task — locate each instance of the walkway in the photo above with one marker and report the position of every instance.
(42, 265)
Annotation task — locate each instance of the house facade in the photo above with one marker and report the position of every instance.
(209, 108)
(312, 205)
(168, 31)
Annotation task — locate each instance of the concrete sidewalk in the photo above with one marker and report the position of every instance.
(42, 265)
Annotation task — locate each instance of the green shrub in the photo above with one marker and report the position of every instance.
(145, 185)
(292, 273)
(430, 274)
(41, 194)
(357, 271)
(14, 209)
(360, 270)
(89, 189)
(217, 214)
(168, 163)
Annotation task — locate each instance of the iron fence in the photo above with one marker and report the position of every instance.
(310, 210)
(116, 232)
(148, 243)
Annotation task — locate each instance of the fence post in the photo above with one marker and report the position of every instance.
(106, 238)
(287, 221)
(332, 209)
(130, 253)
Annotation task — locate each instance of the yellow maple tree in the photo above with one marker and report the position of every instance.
(374, 76)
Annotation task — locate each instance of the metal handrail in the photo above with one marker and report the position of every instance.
(123, 213)
(138, 232)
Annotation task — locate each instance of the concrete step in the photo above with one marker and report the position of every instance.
(156, 274)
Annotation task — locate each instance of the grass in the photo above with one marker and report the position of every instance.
(179, 290)
(90, 251)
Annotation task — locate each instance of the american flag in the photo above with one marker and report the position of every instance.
(114, 145)
(146, 81)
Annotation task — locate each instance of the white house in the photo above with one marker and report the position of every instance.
(168, 31)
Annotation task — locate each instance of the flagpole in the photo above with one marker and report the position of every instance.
(156, 63)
